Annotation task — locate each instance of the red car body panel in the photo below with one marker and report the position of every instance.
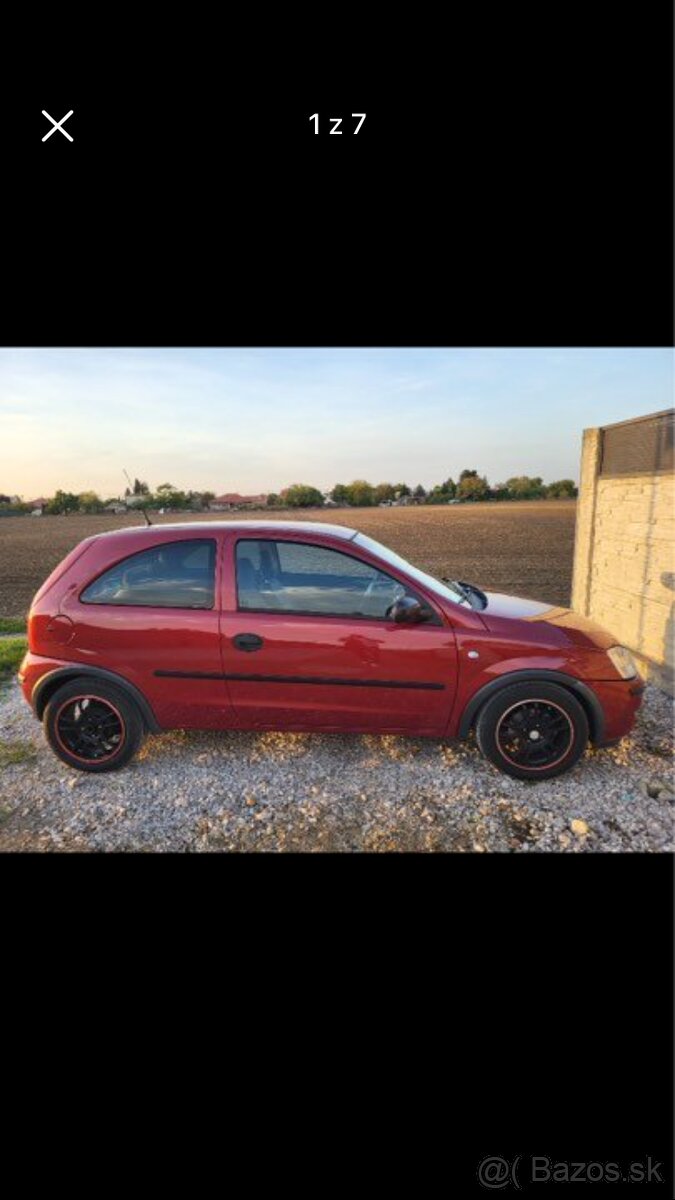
(311, 672)
(136, 642)
(359, 657)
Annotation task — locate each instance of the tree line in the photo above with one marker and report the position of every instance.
(139, 496)
(470, 486)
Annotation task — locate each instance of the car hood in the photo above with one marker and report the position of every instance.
(572, 626)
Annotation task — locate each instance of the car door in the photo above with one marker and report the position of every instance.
(306, 643)
(152, 616)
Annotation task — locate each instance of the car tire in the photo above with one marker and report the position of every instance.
(92, 725)
(533, 730)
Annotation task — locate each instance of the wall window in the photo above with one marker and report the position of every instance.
(170, 575)
(297, 578)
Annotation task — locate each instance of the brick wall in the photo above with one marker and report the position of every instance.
(624, 560)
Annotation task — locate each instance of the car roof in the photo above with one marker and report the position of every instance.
(146, 532)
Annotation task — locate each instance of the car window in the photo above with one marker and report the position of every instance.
(295, 577)
(428, 581)
(170, 575)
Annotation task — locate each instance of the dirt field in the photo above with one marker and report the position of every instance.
(525, 548)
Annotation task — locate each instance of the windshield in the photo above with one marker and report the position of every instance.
(441, 589)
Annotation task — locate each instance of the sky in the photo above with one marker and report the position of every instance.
(255, 420)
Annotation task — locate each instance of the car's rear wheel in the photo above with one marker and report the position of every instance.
(92, 725)
(533, 730)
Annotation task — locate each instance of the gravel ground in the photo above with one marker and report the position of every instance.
(300, 792)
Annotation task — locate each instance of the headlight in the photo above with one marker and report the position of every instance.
(623, 661)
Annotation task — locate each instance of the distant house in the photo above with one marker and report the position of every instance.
(233, 500)
(38, 506)
(116, 507)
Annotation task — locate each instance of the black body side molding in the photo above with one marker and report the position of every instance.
(318, 679)
(583, 693)
(45, 687)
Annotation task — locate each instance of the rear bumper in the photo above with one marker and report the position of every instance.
(33, 668)
(620, 700)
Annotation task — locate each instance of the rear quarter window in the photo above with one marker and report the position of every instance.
(168, 575)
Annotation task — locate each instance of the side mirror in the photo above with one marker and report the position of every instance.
(407, 610)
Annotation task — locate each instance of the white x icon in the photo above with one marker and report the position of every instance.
(57, 125)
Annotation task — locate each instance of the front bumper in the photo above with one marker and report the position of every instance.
(620, 700)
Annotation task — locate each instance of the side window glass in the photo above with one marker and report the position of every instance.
(170, 575)
(298, 578)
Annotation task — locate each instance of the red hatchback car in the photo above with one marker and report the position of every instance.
(301, 626)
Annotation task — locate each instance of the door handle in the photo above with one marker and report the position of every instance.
(247, 641)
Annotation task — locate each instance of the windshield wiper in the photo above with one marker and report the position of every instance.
(457, 587)
(469, 592)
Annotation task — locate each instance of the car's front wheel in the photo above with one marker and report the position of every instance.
(92, 725)
(533, 730)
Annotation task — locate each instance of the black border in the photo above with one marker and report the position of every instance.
(512, 185)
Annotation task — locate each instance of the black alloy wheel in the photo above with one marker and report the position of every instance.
(533, 730)
(92, 725)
